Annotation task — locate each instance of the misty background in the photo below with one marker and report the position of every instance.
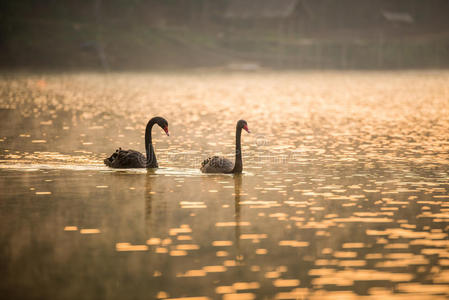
(230, 34)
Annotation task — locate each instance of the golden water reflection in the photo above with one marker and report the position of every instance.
(344, 196)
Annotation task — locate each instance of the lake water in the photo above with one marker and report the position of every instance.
(344, 195)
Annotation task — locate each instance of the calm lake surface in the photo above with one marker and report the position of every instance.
(345, 191)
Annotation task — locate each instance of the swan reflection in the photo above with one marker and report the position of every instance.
(237, 194)
(155, 208)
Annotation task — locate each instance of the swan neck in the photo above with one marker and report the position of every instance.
(238, 166)
(151, 156)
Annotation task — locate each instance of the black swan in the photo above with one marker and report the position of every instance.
(217, 164)
(134, 159)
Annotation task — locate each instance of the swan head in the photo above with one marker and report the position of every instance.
(163, 124)
(243, 125)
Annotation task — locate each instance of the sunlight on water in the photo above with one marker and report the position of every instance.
(344, 195)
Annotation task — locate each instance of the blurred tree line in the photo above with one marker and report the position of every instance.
(127, 34)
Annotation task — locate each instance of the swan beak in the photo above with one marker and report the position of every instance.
(166, 131)
(246, 129)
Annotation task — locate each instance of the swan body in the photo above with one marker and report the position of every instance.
(218, 164)
(134, 159)
(126, 159)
